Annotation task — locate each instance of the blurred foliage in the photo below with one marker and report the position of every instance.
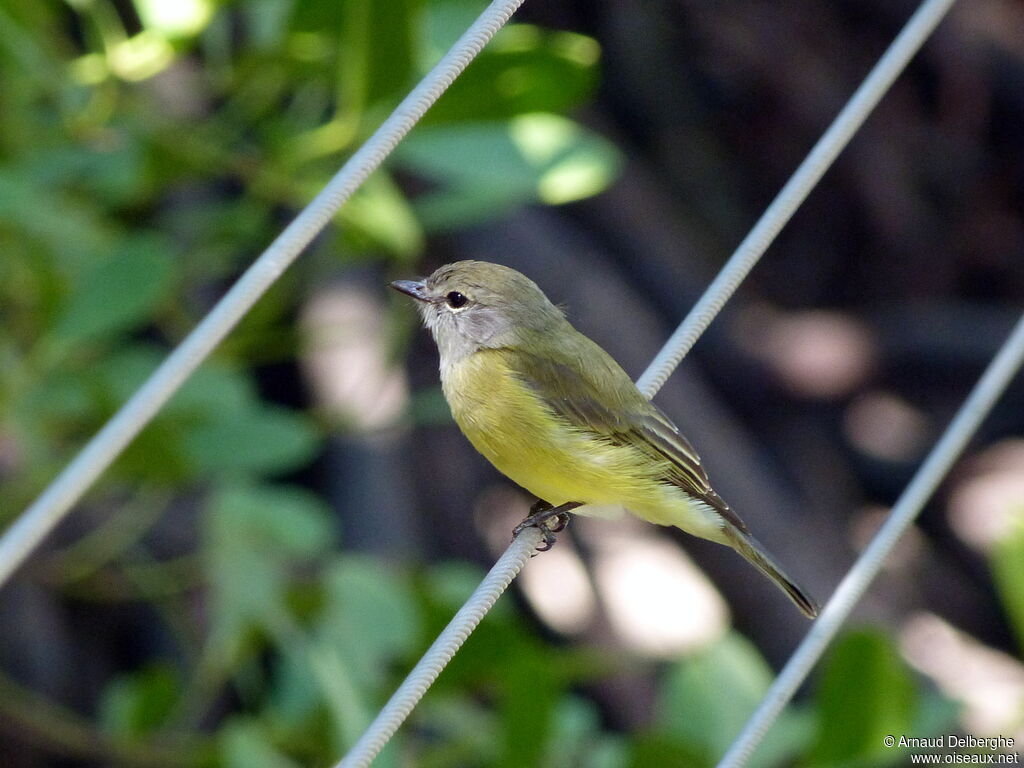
(149, 150)
(1008, 568)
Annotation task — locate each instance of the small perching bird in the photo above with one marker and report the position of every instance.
(556, 414)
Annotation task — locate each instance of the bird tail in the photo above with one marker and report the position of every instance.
(756, 554)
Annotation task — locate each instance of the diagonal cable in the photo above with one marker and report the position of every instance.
(986, 392)
(442, 651)
(803, 180)
(747, 254)
(67, 488)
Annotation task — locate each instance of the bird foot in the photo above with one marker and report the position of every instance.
(550, 520)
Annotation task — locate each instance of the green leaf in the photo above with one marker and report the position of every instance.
(56, 398)
(608, 751)
(379, 216)
(311, 16)
(118, 294)
(138, 703)
(265, 440)
(1007, 563)
(377, 52)
(246, 743)
(182, 18)
(524, 678)
(214, 425)
(278, 522)
(464, 729)
(368, 621)
(110, 175)
(294, 695)
(214, 391)
(485, 169)
(444, 21)
(253, 535)
(576, 738)
(124, 371)
(69, 228)
(654, 750)
(708, 698)
(525, 69)
(266, 25)
(865, 693)
(370, 617)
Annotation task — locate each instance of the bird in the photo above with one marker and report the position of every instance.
(554, 412)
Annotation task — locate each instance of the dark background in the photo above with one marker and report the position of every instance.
(257, 573)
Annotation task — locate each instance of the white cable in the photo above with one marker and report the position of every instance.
(984, 395)
(704, 311)
(441, 652)
(794, 193)
(67, 488)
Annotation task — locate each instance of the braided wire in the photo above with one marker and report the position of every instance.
(442, 651)
(693, 325)
(986, 392)
(98, 454)
(68, 487)
(800, 184)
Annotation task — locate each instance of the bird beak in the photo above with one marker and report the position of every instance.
(413, 288)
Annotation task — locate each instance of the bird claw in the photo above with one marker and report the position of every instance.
(548, 541)
(549, 520)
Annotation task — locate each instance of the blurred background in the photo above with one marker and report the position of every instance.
(258, 571)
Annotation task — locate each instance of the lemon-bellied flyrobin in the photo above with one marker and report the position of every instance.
(557, 415)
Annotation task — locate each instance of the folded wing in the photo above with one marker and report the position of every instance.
(602, 399)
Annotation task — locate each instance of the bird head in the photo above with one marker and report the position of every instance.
(472, 305)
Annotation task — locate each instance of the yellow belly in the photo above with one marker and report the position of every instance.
(511, 427)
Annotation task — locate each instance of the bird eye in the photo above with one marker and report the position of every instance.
(456, 300)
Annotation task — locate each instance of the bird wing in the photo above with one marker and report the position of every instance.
(602, 399)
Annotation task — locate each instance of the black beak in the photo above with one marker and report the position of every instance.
(413, 288)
